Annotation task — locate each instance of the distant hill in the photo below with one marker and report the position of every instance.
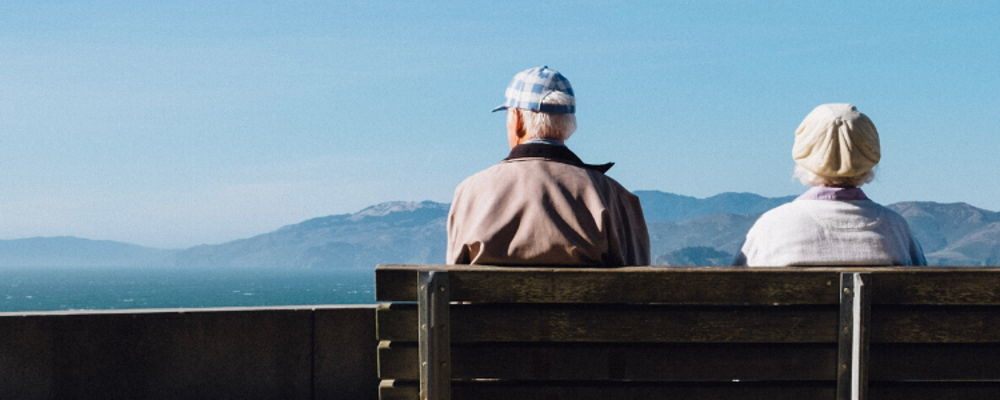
(696, 255)
(71, 252)
(683, 231)
(722, 231)
(661, 206)
(954, 233)
(394, 232)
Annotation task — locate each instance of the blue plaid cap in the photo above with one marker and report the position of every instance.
(529, 88)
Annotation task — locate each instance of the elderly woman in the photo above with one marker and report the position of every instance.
(832, 223)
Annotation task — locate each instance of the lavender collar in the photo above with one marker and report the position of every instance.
(833, 193)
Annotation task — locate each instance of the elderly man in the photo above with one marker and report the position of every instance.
(541, 205)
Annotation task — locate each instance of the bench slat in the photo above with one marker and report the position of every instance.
(940, 362)
(946, 287)
(597, 391)
(710, 286)
(390, 390)
(934, 391)
(609, 323)
(616, 361)
(935, 324)
(697, 362)
(901, 285)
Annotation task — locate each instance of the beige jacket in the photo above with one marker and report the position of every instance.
(543, 206)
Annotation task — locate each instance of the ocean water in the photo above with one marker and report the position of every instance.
(96, 288)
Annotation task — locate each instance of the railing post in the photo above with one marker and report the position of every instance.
(433, 297)
(852, 355)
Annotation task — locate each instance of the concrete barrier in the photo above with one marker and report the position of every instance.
(323, 352)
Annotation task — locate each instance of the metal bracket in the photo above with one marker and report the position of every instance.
(433, 297)
(852, 354)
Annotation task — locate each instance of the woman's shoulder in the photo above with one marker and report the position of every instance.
(791, 210)
(788, 216)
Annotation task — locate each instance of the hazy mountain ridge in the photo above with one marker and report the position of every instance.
(954, 233)
(67, 251)
(400, 232)
(662, 206)
(683, 231)
(724, 232)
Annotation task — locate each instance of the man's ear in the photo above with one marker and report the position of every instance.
(517, 119)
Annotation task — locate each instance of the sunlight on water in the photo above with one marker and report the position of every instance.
(44, 289)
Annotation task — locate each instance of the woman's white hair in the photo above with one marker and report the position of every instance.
(539, 125)
(809, 178)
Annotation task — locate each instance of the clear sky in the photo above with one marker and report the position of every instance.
(176, 123)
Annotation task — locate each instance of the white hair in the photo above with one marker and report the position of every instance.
(539, 125)
(809, 178)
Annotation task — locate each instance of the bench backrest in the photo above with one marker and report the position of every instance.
(688, 333)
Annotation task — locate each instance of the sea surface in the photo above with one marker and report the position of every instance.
(97, 288)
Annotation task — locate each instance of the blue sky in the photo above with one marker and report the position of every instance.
(177, 123)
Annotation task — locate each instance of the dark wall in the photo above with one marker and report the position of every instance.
(245, 353)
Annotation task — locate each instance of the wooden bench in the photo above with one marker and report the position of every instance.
(688, 333)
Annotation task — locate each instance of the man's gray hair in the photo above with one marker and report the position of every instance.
(808, 178)
(539, 125)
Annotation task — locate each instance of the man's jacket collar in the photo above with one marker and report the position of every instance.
(554, 153)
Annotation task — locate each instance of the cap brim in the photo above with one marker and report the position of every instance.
(498, 108)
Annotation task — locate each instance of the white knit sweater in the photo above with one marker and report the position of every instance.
(830, 232)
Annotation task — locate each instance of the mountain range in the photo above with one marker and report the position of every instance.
(683, 230)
